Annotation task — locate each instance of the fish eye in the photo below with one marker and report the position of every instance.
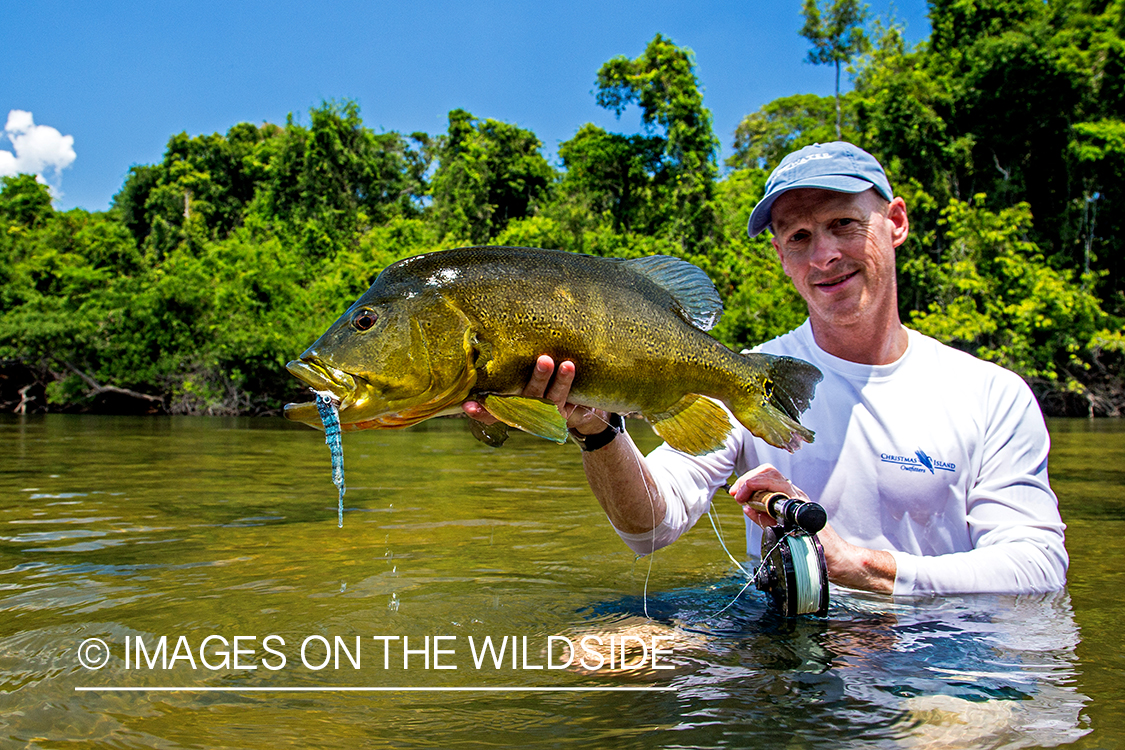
(364, 319)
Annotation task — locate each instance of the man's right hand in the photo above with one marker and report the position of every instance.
(616, 472)
(586, 420)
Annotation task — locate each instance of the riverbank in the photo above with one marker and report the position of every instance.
(23, 391)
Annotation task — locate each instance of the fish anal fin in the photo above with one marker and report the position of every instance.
(695, 425)
(537, 416)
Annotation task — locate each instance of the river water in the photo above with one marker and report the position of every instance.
(450, 594)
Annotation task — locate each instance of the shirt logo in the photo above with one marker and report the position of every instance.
(918, 462)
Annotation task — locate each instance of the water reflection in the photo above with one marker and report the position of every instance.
(980, 671)
(127, 528)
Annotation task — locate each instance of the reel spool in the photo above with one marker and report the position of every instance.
(793, 570)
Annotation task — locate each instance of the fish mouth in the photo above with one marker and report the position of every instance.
(320, 376)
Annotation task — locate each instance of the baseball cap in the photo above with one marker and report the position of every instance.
(838, 166)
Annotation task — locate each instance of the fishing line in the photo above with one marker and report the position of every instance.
(793, 569)
(652, 532)
(652, 508)
(718, 533)
(652, 540)
(808, 580)
(754, 577)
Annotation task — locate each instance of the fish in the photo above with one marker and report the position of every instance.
(441, 328)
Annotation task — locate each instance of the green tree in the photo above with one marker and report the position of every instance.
(997, 297)
(615, 174)
(662, 82)
(59, 283)
(24, 201)
(335, 179)
(322, 185)
(489, 173)
(1008, 98)
(199, 191)
(782, 126)
(837, 36)
(1098, 150)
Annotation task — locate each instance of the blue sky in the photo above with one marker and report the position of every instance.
(121, 78)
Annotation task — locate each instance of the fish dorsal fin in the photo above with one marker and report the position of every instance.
(696, 299)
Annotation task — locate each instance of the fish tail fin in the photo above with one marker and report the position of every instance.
(774, 396)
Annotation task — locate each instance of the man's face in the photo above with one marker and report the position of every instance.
(839, 250)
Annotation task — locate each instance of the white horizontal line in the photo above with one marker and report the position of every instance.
(374, 689)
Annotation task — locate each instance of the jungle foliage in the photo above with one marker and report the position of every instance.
(1004, 132)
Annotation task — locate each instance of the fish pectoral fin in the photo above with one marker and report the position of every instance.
(538, 416)
(695, 424)
(493, 435)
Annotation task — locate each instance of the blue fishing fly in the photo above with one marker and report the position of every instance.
(330, 417)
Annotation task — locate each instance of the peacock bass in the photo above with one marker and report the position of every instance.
(445, 327)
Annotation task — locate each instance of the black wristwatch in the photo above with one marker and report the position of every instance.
(615, 427)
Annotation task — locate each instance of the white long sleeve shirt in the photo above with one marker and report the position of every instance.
(938, 458)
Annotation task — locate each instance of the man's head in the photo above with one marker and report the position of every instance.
(839, 166)
(837, 244)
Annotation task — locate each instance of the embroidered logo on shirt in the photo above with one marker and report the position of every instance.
(918, 462)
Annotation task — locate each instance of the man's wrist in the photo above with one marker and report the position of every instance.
(866, 570)
(615, 425)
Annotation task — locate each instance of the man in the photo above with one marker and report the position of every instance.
(931, 464)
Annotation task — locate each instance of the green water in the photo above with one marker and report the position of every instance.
(120, 528)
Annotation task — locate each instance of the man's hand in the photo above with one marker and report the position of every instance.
(586, 420)
(848, 565)
(616, 472)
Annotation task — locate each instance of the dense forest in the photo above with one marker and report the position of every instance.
(1004, 132)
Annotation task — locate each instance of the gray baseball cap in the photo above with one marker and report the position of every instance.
(838, 166)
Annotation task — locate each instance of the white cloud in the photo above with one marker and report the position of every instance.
(36, 149)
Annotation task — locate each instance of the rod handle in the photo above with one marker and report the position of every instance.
(789, 511)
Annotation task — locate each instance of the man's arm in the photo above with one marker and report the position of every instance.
(624, 487)
(1019, 545)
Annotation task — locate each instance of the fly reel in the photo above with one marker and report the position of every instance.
(793, 570)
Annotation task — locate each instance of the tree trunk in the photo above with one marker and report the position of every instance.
(839, 130)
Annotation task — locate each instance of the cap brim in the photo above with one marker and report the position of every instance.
(760, 216)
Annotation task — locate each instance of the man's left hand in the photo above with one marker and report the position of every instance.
(848, 565)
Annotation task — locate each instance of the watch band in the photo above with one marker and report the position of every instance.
(615, 427)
